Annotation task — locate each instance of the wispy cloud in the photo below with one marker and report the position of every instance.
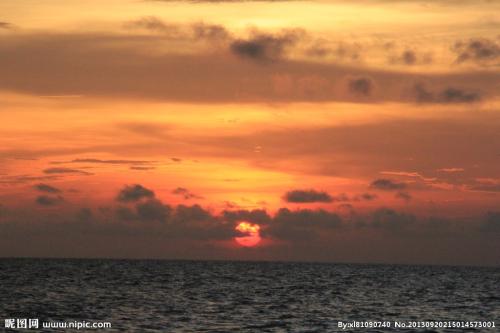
(65, 171)
(387, 185)
(47, 188)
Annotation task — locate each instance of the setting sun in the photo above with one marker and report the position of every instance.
(253, 234)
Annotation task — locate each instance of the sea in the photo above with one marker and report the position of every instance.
(231, 296)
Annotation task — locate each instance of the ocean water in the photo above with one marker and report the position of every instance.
(211, 296)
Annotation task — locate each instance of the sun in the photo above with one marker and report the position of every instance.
(252, 232)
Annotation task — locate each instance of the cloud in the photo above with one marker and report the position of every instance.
(168, 75)
(391, 220)
(307, 196)
(46, 200)
(84, 215)
(65, 171)
(180, 222)
(447, 95)
(191, 213)
(20, 179)
(402, 173)
(195, 221)
(151, 23)
(185, 193)
(151, 228)
(485, 187)
(479, 50)
(451, 170)
(47, 188)
(152, 209)
(342, 197)
(361, 86)
(142, 168)
(340, 51)
(266, 46)
(132, 193)
(301, 225)
(367, 149)
(6, 25)
(410, 57)
(403, 196)
(99, 161)
(366, 196)
(387, 185)
(195, 31)
(258, 216)
(203, 31)
(225, 1)
(454, 95)
(491, 222)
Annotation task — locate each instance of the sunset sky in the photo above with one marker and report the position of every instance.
(340, 131)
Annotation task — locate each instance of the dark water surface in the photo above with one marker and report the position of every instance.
(205, 296)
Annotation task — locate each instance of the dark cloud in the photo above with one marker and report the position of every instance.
(264, 46)
(307, 196)
(99, 161)
(152, 23)
(411, 57)
(301, 225)
(209, 31)
(486, 187)
(125, 214)
(403, 196)
(256, 216)
(387, 185)
(20, 179)
(142, 168)
(447, 95)
(342, 197)
(479, 50)
(454, 95)
(491, 222)
(151, 228)
(195, 31)
(46, 200)
(361, 86)
(122, 71)
(185, 193)
(366, 196)
(47, 188)
(318, 51)
(191, 213)
(180, 222)
(132, 193)
(65, 170)
(152, 209)
(346, 207)
(84, 215)
(391, 220)
(340, 51)
(195, 221)
(6, 25)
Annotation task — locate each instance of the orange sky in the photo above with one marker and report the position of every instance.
(363, 131)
